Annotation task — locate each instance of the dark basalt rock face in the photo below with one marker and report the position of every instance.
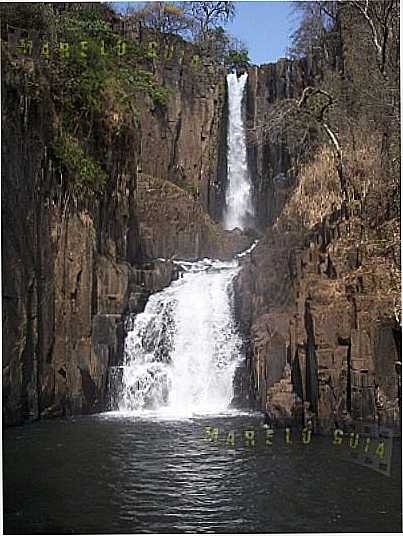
(186, 142)
(318, 324)
(317, 303)
(314, 303)
(71, 272)
(271, 161)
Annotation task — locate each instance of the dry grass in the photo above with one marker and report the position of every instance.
(318, 192)
(372, 179)
(362, 160)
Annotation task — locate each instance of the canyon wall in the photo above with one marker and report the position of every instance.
(272, 163)
(186, 144)
(318, 298)
(320, 313)
(72, 270)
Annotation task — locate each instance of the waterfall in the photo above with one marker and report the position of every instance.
(182, 351)
(239, 209)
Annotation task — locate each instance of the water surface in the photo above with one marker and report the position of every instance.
(114, 473)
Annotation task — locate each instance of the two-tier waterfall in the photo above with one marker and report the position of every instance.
(182, 351)
(239, 208)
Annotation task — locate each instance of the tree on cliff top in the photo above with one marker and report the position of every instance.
(165, 17)
(316, 21)
(209, 15)
(195, 20)
(379, 17)
(200, 22)
(382, 21)
(237, 55)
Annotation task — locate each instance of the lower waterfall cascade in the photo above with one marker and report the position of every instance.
(181, 353)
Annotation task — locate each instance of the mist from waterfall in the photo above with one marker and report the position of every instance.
(182, 351)
(239, 207)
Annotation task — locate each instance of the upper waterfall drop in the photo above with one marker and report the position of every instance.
(239, 207)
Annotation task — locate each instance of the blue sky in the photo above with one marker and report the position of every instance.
(264, 26)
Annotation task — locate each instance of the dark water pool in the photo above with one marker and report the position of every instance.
(120, 474)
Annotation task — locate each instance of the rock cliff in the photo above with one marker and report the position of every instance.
(317, 300)
(322, 304)
(72, 270)
(272, 162)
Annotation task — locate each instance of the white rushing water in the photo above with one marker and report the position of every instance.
(182, 351)
(239, 208)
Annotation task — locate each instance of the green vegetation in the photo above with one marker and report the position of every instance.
(237, 59)
(144, 81)
(194, 21)
(86, 74)
(87, 177)
(100, 62)
(201, 23)
(94, 79)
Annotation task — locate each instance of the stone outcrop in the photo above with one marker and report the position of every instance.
(321, 303)
(174, 224)
(186, 142)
